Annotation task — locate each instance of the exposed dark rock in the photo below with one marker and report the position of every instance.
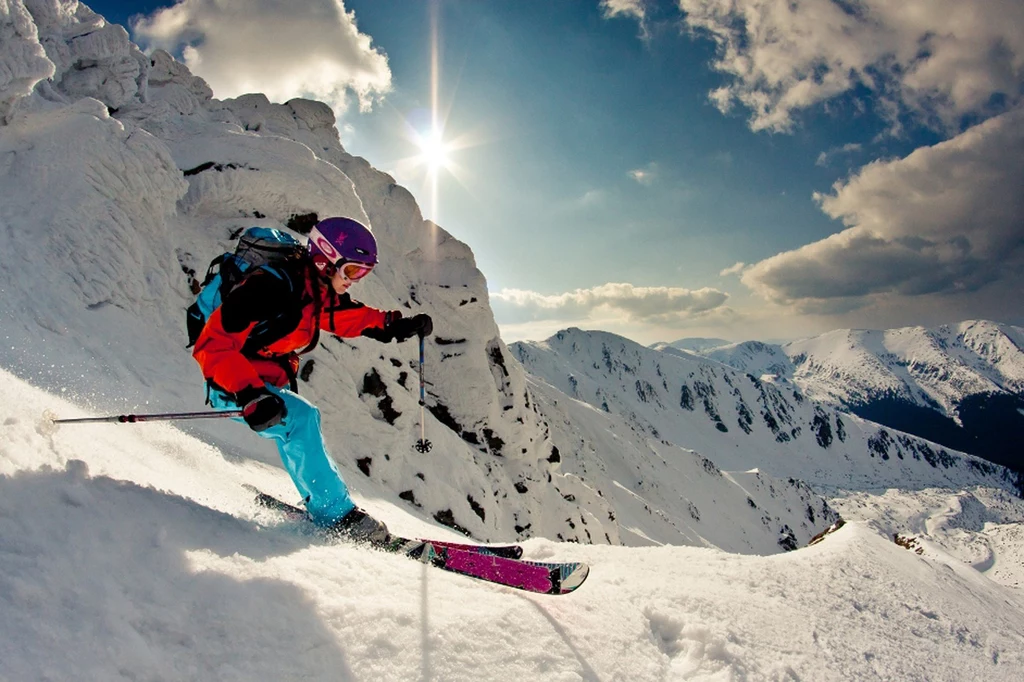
(493, 442)
(822, 428)
(446, 518)
(441, 413)
(477, 509)
(302, 222)
(373, 384)
(686, 398)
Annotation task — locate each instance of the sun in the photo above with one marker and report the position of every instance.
(433, 150)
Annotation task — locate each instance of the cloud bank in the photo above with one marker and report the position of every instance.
(946, 219)
(937, 60)
(648, 305)
(282, 48)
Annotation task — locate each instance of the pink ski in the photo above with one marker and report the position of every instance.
(532, 576)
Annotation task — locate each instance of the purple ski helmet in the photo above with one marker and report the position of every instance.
(334, 241)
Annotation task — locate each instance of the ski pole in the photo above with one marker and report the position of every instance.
(133, 418)
(422, 445)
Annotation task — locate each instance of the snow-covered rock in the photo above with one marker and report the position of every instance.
(23, 61)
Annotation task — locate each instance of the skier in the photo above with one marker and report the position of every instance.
(248, 351)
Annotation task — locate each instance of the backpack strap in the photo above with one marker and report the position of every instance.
(310, 274)
(215, 263)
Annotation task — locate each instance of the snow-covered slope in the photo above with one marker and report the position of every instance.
(133, 553)
(983, 527)
(662, 493)
(122, 177)
(741, 422)
(763, 360)
(961, 385)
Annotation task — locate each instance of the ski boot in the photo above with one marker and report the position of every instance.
(358, 526)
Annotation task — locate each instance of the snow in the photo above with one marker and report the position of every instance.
(934, 368)
(982, 527)
(740, 422)
(134, 552)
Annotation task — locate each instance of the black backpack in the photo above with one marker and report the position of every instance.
(258, 248)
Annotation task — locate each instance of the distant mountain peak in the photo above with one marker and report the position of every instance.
(960, 384)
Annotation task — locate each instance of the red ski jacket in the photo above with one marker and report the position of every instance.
(265, 323)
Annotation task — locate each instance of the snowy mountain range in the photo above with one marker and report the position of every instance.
(745, 421)
(959, 385)
(133, 551)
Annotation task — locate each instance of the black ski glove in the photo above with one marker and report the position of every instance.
(406, 327)
(261, 409)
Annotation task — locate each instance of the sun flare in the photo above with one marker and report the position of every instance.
(433, 150)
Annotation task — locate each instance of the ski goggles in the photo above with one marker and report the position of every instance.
(352, 270)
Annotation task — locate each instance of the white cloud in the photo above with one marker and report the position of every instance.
(735, 269)
(825, 157)
(939, 60)
(646, 175)
(636, 9)
(629, 8)
(638, 304)
(282, 48)
(944, 220)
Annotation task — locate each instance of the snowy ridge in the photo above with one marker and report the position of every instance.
(692, 345)
(762, 360)
(936, 368)
(741, 422)
(962, 385)
(930, 367)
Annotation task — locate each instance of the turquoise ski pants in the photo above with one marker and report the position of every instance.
(304, 455)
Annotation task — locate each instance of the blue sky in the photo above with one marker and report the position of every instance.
(669, 169)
